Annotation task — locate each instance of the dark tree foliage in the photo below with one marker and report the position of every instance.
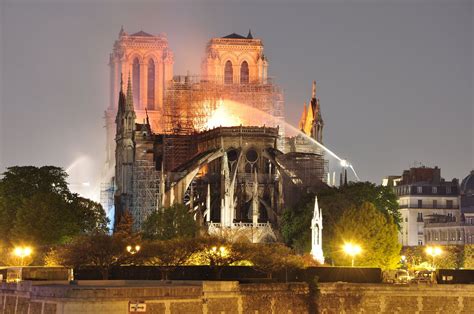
(334, 202)
(98, 249)
(36, 207)
(171, 222)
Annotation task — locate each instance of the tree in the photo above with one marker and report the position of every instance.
(168, 254)
(274, 257)
(43, 219)
(89, 215)
(37, 207)
(469, 256)
(382, 197)
(99, 249)
(218, 253)
(376, 233)
(296, 221)
(20, 183)
(169, 223)
(296, 224)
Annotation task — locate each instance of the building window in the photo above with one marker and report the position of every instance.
(434, 190)
(448, 190)
(151, 84)
(420, 203)
(420, 217)
(136, 82)
(406, 219)
(420, 242)
(419, 189)
(435, 204)
(228, 73)
(449, 204)
(244, 73)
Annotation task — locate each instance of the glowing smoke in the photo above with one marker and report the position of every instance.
(232, 113)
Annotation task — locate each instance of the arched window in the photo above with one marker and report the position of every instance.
(151, 85)
(228, 73)
(244, 73)
(136, 82)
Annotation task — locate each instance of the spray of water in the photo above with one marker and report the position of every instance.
(230, 111)
(82, 178)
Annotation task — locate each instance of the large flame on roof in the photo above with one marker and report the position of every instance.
(226, 114)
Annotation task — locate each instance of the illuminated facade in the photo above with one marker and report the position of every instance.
(214, 142)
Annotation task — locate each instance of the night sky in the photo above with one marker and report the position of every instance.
(394, 77)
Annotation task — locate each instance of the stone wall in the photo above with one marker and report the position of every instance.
(386, 298)
(115, 296)
(159, 297)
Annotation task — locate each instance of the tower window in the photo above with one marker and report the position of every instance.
(228, 73)
(136, 82)
(244, 73)
(151, 85)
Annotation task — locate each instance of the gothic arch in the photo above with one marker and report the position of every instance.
(228, 72)
(136, 80)
(244, 72)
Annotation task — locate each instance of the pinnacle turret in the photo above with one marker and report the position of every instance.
(129, 103)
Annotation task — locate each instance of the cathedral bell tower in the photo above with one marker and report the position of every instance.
(125, 151)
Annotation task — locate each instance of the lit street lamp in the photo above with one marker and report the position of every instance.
(22, 252)
(433, 251)
(133, 249)
(352, 250)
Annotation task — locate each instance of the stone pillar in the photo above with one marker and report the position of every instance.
(260, 70)
(159, 84)
(236, 73)
(265, 69)
(143, 84)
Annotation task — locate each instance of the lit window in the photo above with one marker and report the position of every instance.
(434, 190)
(419, 189)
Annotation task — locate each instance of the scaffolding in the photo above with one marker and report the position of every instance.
(107, 191)
(146, 186)
(191, 100)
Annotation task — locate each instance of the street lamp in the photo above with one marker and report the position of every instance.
(352, 250)
(133, 249)
(22, 252)
(433, 251)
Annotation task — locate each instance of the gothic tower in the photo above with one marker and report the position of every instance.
(311, 122)
(235, 59)
(125, 151)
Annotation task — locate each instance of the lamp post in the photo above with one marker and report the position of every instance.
(433, 251)
(352, 250)
(22, 252)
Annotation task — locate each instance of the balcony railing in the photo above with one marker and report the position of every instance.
(428, 206)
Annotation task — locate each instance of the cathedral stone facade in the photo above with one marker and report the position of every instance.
(236, 180)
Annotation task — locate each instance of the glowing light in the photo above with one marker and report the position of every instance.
(344, 163)
(133, 249)
(352, 250)
(223, 116)
(433, 251)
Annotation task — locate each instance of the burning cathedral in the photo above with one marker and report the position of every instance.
(215, 142)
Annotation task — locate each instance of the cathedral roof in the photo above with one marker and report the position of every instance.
(235, 36)
(142, 34)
